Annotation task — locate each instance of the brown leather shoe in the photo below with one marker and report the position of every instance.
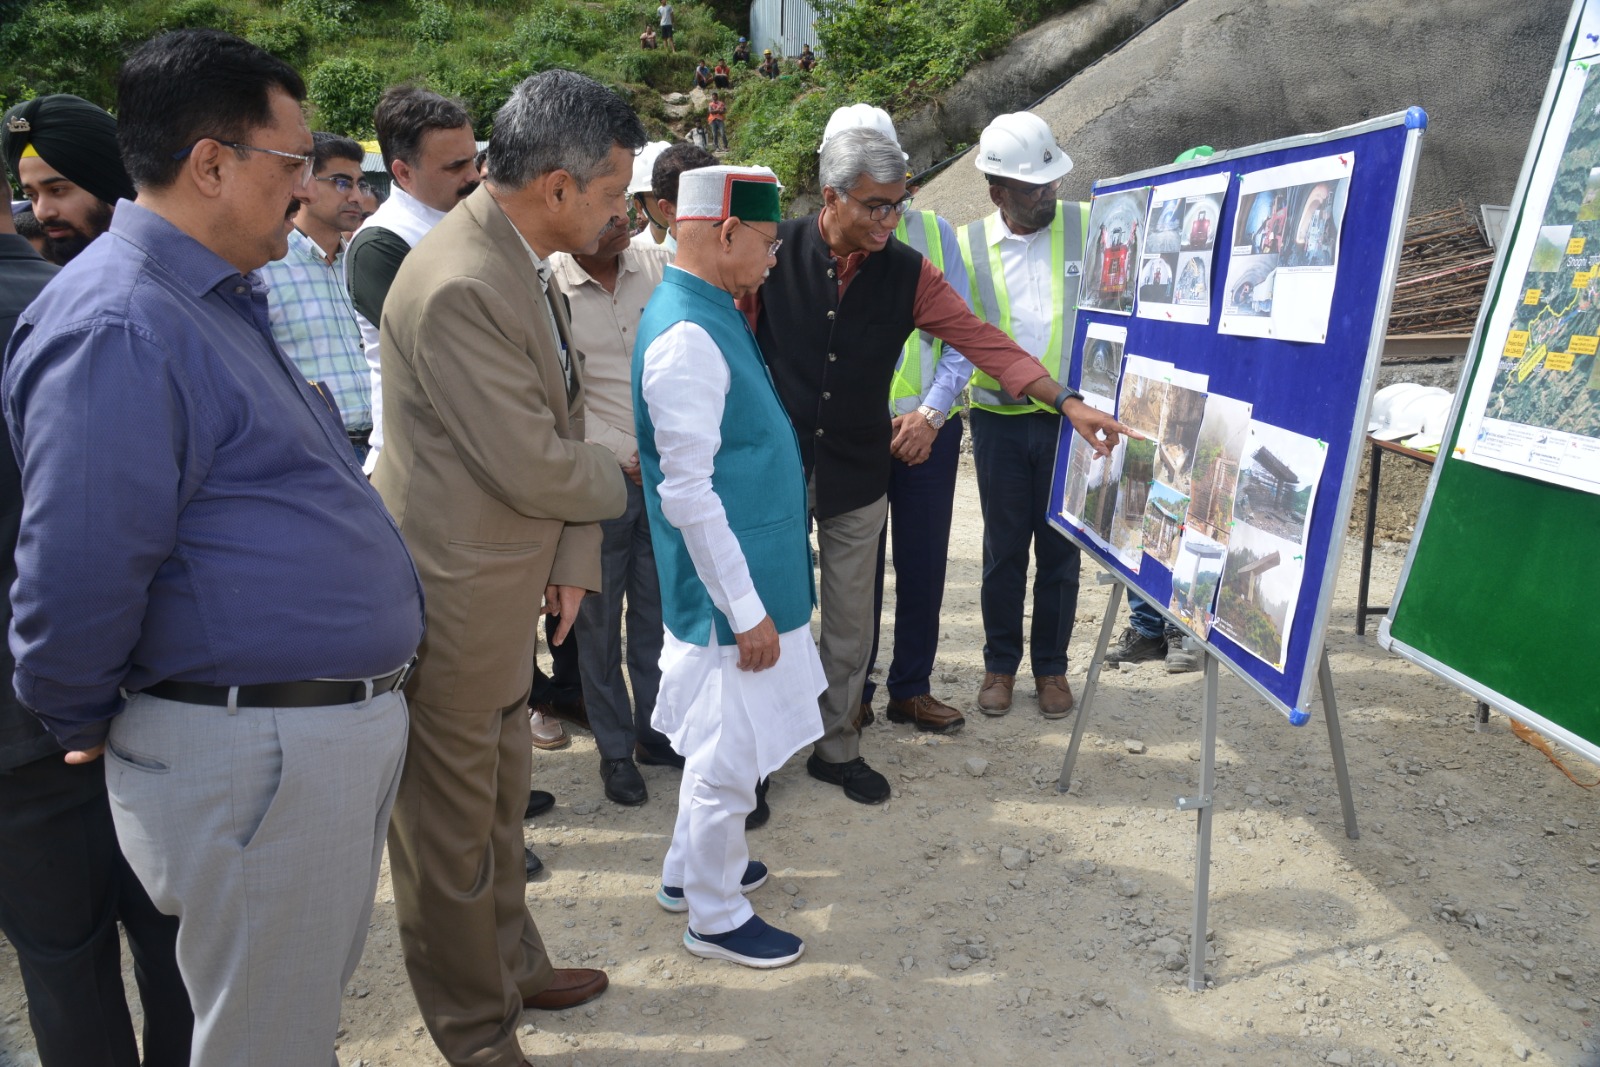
(571, 987)
(1055, 696)
(928, 713)
(865, 716)
(994, 696)
(548, 733)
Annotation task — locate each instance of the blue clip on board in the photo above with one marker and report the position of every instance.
(1321, 391)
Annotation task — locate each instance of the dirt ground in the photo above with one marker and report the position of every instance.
(981, 917)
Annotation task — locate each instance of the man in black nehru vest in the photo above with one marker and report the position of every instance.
(831, 323)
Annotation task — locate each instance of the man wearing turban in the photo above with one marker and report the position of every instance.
(63, 152)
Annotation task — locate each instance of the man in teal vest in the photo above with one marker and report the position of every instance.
(1023, 264)
(726, 495)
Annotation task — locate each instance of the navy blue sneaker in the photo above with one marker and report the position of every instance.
(671, 896)
(755, 944)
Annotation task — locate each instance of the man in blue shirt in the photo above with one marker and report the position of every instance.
(208, 590)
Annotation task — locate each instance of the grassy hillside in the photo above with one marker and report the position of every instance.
(882, 51)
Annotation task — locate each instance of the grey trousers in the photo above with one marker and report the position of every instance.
(627, 571)
(847, 553)
(262, 832)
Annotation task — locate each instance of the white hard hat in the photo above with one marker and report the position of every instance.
(858, 116)
(1405, 408)
(643, 164)
(1021, 146)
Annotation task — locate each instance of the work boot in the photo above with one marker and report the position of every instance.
(1134, 647)
(1055, 696)
(1181, 658)
(994, 695)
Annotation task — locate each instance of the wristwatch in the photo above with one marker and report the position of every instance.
(1067, 393)
(934, 416)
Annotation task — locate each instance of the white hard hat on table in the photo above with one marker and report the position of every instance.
(1021, 146)
(856, 116)
(643, 164)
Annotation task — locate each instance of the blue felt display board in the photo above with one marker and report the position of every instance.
(1319, 390)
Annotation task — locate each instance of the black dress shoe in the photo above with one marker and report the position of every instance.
(624, 783)
(760, 813)
(531, 862)
(539, 802)
(656, 756)
(861, 783)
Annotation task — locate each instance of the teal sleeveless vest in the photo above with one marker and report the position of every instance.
(758, 475)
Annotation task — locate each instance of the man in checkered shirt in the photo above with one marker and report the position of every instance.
(308, 306)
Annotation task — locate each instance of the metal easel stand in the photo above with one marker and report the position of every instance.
(1201, 803)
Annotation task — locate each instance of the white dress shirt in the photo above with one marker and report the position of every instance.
(1025, 258)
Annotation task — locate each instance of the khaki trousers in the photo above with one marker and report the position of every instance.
(455, 854)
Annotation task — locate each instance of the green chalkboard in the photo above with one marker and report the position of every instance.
(1500, 592)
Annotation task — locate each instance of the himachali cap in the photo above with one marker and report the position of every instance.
(717, 193)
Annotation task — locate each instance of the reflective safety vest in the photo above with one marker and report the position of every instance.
(914, 374)
(980, 248)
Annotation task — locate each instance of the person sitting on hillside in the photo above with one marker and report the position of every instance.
(741, 51)
(807, 59)
(702, 76)
(720, 75)
(647, 39)
(769, 65)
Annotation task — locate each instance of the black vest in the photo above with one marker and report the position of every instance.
(833, 360)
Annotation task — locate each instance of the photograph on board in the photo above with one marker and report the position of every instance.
(1102, 359)
(1258, 591)
(1180, 233)
(1164, 510)
(1156, 275)
(1286, 250)
(1195, 578)
(1133, 491)
(1082, 464)
(1170, 415)
(1100, 496)
(1112, 258)
(1214, 475)
(1278, 481)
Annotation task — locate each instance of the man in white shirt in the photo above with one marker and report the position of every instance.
(726, 492)
(664, 13)
(606, 293)
(429, 150)
(1026, 257)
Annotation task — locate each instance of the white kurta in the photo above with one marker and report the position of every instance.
(732, 726)
(685, 384)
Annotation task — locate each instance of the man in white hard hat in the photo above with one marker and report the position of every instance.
(640, 192)
(832, 326)
(926, 449)
(1023, 264)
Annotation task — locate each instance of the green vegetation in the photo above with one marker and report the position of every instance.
(884, 52)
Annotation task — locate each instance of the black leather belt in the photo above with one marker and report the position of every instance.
(310, 694)
(360, 438)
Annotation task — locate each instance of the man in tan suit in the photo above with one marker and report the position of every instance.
(485, 468)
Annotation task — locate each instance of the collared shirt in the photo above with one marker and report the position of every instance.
(1025, 258)
(191, 508)
(315, 324)
(604, 328)
(542, 267)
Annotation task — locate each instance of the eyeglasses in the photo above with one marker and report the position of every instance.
(879, 212)
(309, 162)
(776, 241)
(1034, 192)
(344, 185)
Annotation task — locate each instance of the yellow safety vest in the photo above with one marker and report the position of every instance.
(914, 374)
(1069, 233)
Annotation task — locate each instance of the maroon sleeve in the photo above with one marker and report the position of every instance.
(940, 311)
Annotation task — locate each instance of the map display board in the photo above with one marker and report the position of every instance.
(1534, 403)
(1499, 586)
